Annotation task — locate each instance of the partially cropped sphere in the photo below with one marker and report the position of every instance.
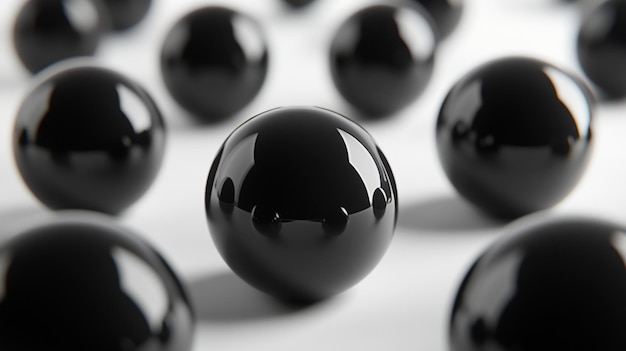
(301, 203)
(601, 43)
(82, 283)
(514, 135)
(214, 61)
(553, 284)
(382, 58)
(88, 138)
(125, 14)
(49, 31)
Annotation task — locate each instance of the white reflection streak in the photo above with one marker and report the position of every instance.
(618, 239)
(134, 109)
(142, 284)
(249, 35)
(420, 36)
(82, 14)
(573, 97)
(362, 161)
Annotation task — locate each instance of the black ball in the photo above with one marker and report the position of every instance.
(83, 283)
(382, 57)
(49, 31)
(88, 138)
(514, 136)
(600, 45)
(125, 14)
(549, 285)
(301, 203)
(214, 61)
(445, 13)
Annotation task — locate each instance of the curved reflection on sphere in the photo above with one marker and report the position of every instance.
(301, 203)
(82, 283)
(514, 136)
(549, 285)
(445, 13)
(88, 138)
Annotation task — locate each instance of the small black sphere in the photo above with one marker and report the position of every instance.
(83, 283)
(382, 58)
(549, 285)
(301, 203)
(445, 13)
(88, 138)
(514, 135)
(48, 31)
(214, 61)
(601, 43)
(125, 14)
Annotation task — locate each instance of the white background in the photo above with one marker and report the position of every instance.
(404, 304)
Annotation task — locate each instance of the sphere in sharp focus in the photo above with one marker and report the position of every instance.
(445, 13)
(601, 43)
(514, 136)
(125, 14)
(83, 283)
(48, 31)
(214, 61)
(551, 285)
(301, 203)
(88, 138)
(382, 57)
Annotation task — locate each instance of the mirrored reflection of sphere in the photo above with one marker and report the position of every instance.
(514, 136)
(49, 31)
(555, 284)
(301, 203)
(88, 138)
(80, 282)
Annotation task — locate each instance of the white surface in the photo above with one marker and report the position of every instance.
(404, 304)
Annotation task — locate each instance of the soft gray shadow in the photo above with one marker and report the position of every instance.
(445, 214)
(224, 297)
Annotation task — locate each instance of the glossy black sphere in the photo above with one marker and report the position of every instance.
(125, 14)
(445, 13)
(298, 3)
(88, 138)
(601, 43)
(514, 135)
(382, 58)
(553, 285)
(82, 283)
(48, 31)
(301, 203)
(214, 62)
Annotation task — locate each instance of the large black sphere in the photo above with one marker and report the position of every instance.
(125, 14)
(551, 285)
(601, 43)
(82, 283)
(445, 13)
(382, 58)
(514, 135)
(88, 138)
(214, 62)
(48, 31)
(301, 203)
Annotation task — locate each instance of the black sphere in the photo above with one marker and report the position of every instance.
(445, 13)
(88, 138)
(83, 283)
(382, 58)
(301, 203)
(551, 285)
(48, 31)
(298, 3)
(601, 43)
(125, 14)
(514, 135)
(214, 62)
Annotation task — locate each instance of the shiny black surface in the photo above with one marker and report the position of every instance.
(445, 13)
(48, 31)
(601, 42)
(514, 135)
(301, 203)
(298, 3)
(125, 14)
(552, 285)
(81, 283)
(382, 58)
(88, 138)
(214, 62)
